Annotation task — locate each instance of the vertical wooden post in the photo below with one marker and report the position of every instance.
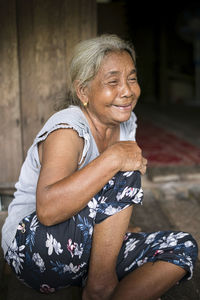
(48, 30)
(80, 23)
(42, 62)
(10, 133)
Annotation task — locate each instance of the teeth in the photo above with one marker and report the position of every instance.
(123, 105)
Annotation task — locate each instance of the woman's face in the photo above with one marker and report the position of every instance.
(114, 91)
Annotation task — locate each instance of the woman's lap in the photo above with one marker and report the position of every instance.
(48, 258)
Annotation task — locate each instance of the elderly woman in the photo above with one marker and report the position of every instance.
(67, 224)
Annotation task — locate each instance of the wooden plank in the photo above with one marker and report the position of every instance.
(48, 31)
(79, 22)
(10, 136)
(42, 62)
(88, 19)
(72, 26)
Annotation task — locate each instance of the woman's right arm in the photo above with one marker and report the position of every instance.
(62, 189)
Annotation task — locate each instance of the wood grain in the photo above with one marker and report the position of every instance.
(10, 135)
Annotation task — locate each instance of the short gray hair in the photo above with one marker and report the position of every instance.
(87, 58)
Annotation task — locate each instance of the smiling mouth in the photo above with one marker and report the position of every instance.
(124, 107)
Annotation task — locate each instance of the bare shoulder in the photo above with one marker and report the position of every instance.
(60, 153)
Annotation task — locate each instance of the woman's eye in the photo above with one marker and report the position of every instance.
(133, 79)
(113, 82)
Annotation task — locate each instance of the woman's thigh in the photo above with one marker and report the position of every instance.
(49, 257)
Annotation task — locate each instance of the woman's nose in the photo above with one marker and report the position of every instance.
(126, 90)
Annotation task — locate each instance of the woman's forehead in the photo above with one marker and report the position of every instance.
(116, 62)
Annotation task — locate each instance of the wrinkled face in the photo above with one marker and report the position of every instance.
(114, 91)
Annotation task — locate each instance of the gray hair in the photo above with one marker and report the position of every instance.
(87, 58)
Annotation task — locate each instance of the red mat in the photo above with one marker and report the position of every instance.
(163, 148)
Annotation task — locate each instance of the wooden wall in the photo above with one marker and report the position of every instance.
(36, 39)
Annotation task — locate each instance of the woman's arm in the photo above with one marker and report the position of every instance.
(62, 189)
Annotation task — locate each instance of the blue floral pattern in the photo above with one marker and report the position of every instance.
(49, 258)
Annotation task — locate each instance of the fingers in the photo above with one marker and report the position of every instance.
(129, 156)
(143, 166)
(141, 161)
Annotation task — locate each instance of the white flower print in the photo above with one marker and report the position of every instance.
(130, 267)
(151, 238)
(188, 244)
(52, 244)
(111, 182)
(139, 196)
(39, 261)
(75, 249)
(78, 250)
(187, 260)
(73, 269)
(128, 191)
(172, 239)
(180, 235)
(30, 239)
(110, 210)
(49, 243)
(128, 174)
(57, 247)
(16, 256)
(34, 224)
(91, 230)
(93, 207)
(130, 245)
(142, 261)
(102, 199)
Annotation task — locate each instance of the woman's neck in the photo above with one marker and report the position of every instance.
(104, 134)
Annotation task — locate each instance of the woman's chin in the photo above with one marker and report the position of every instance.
(122, 115)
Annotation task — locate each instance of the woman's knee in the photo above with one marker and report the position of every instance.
(123, 190)
(191, 246)
(132, 179)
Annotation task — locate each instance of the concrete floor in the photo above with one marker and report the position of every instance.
(169, 204)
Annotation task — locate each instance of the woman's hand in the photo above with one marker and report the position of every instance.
(129, 156)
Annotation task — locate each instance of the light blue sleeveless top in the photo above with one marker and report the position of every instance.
(24, 202)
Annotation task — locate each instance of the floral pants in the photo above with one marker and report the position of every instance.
(49, 258)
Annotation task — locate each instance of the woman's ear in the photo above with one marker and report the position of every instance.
(81, 92)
